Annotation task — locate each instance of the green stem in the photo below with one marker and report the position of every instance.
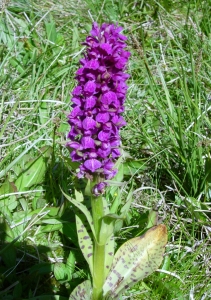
(99, 249)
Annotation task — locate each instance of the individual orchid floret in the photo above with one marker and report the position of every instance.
(98, 102)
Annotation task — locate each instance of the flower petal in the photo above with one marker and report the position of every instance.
(89, 88)
(106, 48)
(90, 102)
(88, 123)
(108, 98)
(103, 135)
(102, 117)
(92, 164)
(77, 91)
(87, 142)
(93, 64)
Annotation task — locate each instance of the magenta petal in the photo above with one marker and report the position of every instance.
(92, 155)
(77, 91)
(110, 174)
(108, 98)
(107, 126)
(75, 112)
(103, 136)
(90, 87)
(103, 153)
(121, 63)
(80, 71)
(76, 101)
(115, 142)
(92, 64)
(76, 156)
(106, 47)
(90, 102)
(102, 117)
(92, 164)
(115, 153)
(89, 123)
(87, 142)
(108, 164)
(119, 121)
(99, 188)
(75, 145)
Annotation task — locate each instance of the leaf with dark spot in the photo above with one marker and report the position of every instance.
(135, 260)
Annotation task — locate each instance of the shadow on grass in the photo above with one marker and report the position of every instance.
(28, 259)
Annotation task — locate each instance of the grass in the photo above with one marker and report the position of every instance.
(167, 141)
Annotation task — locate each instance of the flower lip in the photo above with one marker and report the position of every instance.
(92, 164)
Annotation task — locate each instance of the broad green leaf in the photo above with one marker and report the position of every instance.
(130, 167)
(79, 196)
(7, 203)
(50, 228)
(60, 272)
(85, 241)
(83, 291)
(69, 229)
(23, 203)
(84, 210)
(135, 260)
(63, 272)
(152, 218)
(51, 221)
(34, 171)
(165, 266)
(51, 31)
(7, 188)
(70, 265)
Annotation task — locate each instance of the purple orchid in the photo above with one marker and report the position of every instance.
(98, 102)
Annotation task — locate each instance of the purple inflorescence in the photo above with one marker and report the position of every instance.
(98, 101)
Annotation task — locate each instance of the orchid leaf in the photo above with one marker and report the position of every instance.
(109, 250)
(85, 241)
(83, 291)
(135, 260)
(84, 210)
(106, 233)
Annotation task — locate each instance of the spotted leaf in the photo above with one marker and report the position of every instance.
(109, 250)
(85, 242)
(83, 291)
(84, 210)
(135, 260)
